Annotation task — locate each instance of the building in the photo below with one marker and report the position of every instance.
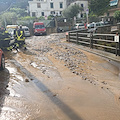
(109, 16)
(114, 6)
(45, 8)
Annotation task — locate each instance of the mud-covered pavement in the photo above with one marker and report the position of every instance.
(56, 80)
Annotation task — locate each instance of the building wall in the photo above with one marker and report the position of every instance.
(45, 7)
(114, 8)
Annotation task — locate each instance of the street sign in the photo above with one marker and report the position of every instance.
(116, 38)
(65, 20)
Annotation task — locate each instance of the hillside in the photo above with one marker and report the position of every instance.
(5, 4)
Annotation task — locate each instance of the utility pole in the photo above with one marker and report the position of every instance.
(5, 21)
(56, 23)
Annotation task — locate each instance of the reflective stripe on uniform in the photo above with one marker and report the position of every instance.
(17, 45)
(8, 48)
(19, 37)
(7, 39)
(6, 31)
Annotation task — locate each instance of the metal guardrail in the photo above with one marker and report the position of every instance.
(105, 42)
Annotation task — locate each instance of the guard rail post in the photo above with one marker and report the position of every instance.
(116, 51)
(68, 36)
(117, 40)
(77, 37)
(91, 40)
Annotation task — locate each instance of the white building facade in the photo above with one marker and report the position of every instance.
(45, 8)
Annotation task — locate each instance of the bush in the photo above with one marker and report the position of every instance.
(117, 15)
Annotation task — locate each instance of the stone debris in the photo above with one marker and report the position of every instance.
(74, 59)
(26, 80)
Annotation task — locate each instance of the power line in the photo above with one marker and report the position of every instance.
(7, 8)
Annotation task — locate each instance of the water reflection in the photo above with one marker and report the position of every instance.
(4, 80)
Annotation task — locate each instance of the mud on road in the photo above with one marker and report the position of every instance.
(56, 80)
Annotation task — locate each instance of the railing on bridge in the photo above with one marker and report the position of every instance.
(105, 42)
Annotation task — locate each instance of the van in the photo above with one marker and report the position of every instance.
(39, 28)
(10, 29)
(26, 31)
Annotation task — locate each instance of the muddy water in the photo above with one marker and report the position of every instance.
(41, 85)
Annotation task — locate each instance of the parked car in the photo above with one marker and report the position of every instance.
(2, 60)
(96, 24)
(79, 26)
(93, 25)
(39, 28)
(26, 31)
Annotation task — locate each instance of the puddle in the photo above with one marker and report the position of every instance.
(13, 93)
(14, 73)
(8, 109)
(117, 65)
(12, 70)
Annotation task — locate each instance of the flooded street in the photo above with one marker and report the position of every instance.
(56, 80)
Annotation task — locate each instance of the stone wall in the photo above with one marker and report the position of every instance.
(104, 29)
(50, 30)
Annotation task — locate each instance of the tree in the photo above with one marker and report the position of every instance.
(7, 18)
(99, 7)
(117, 15)
(71, 11)
(18, 11)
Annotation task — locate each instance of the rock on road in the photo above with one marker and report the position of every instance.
(56, 80)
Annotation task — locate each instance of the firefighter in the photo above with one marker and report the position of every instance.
(16, 45)
(20, 36)
(5, 40)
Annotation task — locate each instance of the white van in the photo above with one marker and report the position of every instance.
(26, 31)
(79, 26)
(10, 29)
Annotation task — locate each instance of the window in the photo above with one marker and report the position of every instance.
(42, 13)
(81, 5)
(51, 5)
(108, 14)
(33, 14)
(61, 4)
(38, 5)
(81, 15)
(40, 0)
(39, 26)
(60, 12)
(52, 12)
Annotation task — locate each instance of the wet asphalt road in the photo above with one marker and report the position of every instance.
(54, 81)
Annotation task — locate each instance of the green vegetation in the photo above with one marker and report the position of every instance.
(72, 11)
(7, 18)
(20, 12)
(17, 10)
(99, 7)
(117, 16)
